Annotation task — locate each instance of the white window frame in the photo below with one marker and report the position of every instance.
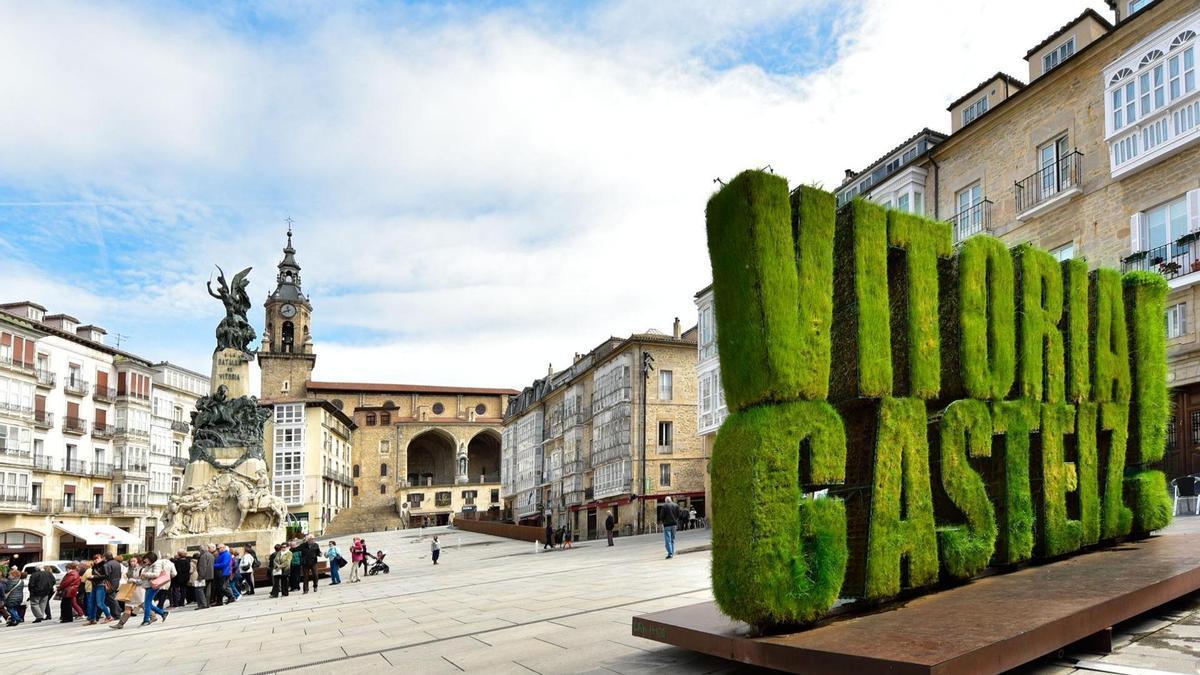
(1056, 56)
(1176, 318)
(1064, 252)
(289, 413)
(666, 385)
(975, 110)
(665, 442)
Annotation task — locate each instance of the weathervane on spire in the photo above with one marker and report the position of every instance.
(288, 220)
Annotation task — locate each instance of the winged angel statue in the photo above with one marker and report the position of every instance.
(234, 331)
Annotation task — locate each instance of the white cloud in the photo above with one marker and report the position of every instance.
(475, 197)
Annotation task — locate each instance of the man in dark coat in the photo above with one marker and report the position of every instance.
(41, 587)
(112, 573)
(204, 572)
(609, 524)
(180, 585)
(310, 553)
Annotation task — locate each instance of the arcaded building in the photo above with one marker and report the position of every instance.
(415, 453)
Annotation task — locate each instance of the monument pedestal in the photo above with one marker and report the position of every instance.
(231, 367)
(200, 472)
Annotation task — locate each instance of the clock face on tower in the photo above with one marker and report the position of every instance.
(288, 310)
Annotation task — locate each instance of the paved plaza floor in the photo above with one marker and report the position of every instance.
(491, 605)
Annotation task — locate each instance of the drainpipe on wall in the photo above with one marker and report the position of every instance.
(936, 186)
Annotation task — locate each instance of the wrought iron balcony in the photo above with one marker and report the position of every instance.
(11, 453)
(975, 219)
(11, 362)
(44, 463)
(45, 378)
(16, 409)
(179, 461)
(338, 476)
(132, 431)
(76, 387)
(1171, 260)
(75, 425)
(77, 466)
(1058, 179)
(107, 394)
(180, 427)
(43, 419)
(42, 506)
(101, 469)
(103, 430)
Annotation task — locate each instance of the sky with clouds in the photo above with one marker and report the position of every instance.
(478, 188)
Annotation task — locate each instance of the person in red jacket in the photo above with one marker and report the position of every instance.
(68, 590)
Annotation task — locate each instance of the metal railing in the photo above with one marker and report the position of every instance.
(11, 494)
(337, 476)
(179, 461)
(75, 425)
(43, 463)
(16, 409)
(13, 454)
(45, 378)
(103, 430)
(1171, 260)
(181, 427)
(974, 219)
(1049, 181)
(126, 467)
(104, 393)
(132, 431)
(9, 361)
(43, 419)
(76, 387)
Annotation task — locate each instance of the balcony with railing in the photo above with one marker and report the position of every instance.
(103, 431)
(42, 506)
(76, 387)
(180, 462)
(337, 476)
(77, 466)
(180, 427)
(973, 220)
(12, 453)
(15, 410)
(43, 419)
(131, 470)
(1049, 186)
(1175, 260)
(45, 378)
(16, 364)
(104, 394)
(75, 425)
(14, 497)
(128, 507)
(126, 430)
(44, 463)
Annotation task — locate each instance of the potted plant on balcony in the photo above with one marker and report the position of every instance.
(1169, 268)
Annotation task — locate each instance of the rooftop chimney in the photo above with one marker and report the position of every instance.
(549, 369)
(849, 174)
(676, 329)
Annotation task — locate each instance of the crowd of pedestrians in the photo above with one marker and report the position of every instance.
(111, 589)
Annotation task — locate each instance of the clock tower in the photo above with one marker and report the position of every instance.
(286, 358)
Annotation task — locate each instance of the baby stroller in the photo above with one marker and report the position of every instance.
(379, 566)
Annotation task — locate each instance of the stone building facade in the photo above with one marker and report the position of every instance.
(1098, 156)
(572, 444)
(356, 456)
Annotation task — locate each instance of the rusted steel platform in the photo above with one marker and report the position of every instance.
(987, 626)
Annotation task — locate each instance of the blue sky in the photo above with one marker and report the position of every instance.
(478, 188)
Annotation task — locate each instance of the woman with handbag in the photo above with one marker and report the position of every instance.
(14, 596)
(358, 556)
(68, 593)
(131, 593)
(155, 576)
(336, 561)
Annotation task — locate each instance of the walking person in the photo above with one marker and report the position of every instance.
(155, 577)
(435, 549)
(668, 517)
(691, 523)
(204, 574)
(14, 595)
(281, 566)
(549, 535)
(41, 587)
(567, 538)
(358, 554)
(89, 593)
(114, 573)
(68, 590)
(134, 604)
(248, 562)
(333, 555)
(609, 524)
(363, 561)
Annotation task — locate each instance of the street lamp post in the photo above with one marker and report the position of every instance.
(647, 366)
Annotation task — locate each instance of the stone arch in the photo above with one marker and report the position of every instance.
(483, 457)
(431, 458)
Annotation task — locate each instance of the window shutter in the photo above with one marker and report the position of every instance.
(1193, 209)
(29, 352)
(1135, 232)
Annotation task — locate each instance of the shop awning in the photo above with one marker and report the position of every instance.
(98, 535)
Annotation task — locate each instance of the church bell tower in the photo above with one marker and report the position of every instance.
(286, 357)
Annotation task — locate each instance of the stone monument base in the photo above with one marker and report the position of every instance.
(263, 541)
(201, 472)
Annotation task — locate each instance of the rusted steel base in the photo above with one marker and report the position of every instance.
(988, 626)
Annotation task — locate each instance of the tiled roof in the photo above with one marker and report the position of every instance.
(1066, 27)
(937, 134)
(974, 90)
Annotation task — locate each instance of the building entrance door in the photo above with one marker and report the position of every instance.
(1183, 434)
